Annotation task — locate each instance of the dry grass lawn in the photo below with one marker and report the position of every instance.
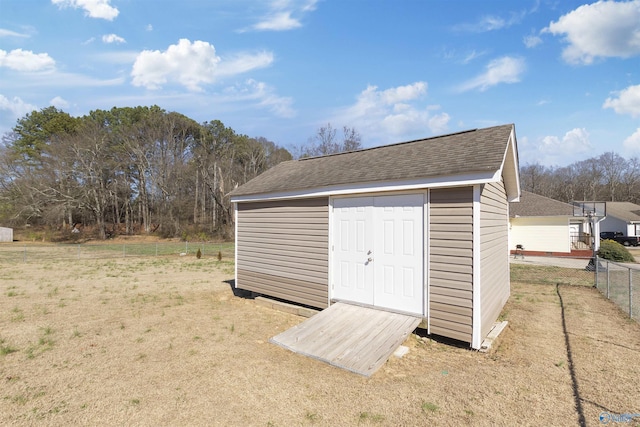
(164, 341)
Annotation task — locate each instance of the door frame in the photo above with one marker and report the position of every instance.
(425, 239)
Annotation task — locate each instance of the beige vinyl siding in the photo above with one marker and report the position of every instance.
(494, 260)
(451, 262)
(283, 249)
(541, 233)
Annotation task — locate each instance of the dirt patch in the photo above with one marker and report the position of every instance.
(164, 341)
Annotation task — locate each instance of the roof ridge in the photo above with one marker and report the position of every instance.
(394, 144)
(478, 153)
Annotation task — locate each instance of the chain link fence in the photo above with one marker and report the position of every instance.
(621, 284)
(618, 282)
(552, 271)
(17, 252)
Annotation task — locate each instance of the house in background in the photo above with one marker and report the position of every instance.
(623, 217)
(545, 226)
(419, 227)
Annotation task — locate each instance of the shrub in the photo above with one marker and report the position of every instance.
(614, 251)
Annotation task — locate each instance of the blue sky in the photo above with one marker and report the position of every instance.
(567, 73)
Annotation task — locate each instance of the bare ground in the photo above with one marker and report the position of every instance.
(166, 342)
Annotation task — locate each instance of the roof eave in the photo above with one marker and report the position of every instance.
(373, 187)
(510, 169)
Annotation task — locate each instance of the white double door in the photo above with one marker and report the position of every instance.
(378, 251)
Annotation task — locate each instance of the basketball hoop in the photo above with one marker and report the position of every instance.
(595, 212)
(589, 209)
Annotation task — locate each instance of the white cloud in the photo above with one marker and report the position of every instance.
(262, 96)
(191, 65)
(391, 114)
(285, 15)
(112, 38)
(532, 41)
(502, 70)
(16, 107)
(241, 63)
(149, 27)
(56, 79)
(632, 143)
(92, 8)
(59, 102)
(491, 23)
(25, 60)
(8, 33)
(556, 150)
(472, 56)
(627, 102)
(602, 29)
(280, 21)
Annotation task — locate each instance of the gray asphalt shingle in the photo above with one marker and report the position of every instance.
(469, 152)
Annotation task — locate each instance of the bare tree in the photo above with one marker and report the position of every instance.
(326, 142)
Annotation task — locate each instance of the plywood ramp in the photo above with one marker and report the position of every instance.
(358, 339)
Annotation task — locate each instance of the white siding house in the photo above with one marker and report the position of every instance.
(544, 225)
(623, 217)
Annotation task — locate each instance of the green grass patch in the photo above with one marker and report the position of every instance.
(6, 348)
(44, 343)
(428, 407)
(312, 417)
(17, 315)
(368, 417)
(551, 275)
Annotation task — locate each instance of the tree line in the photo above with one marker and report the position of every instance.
(608, 177)
(142, 169)
(136, 170)
(127, 170)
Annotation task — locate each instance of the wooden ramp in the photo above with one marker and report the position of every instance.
(355, 338)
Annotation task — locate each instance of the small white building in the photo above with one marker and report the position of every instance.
(6, 234)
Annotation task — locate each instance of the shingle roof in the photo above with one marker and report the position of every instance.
(474, 151)
(626, 211)
(532, 204)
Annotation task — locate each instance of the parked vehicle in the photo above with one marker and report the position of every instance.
(620, 238)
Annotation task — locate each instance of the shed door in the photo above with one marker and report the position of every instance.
(378, 251)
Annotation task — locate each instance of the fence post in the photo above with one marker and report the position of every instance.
(630, 293)
(124, 251)
(607, 279)
(186, 247)
(24, 254)
(596, 271)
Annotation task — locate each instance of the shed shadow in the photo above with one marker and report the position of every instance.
(237, 292)
(423, 333)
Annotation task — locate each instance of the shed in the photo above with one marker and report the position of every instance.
(6, 234)
(546, 226)
(419, 227)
